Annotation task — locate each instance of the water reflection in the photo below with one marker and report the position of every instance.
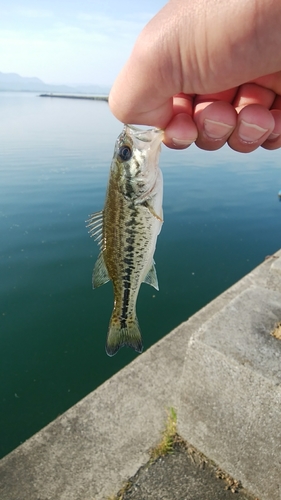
(222, 217)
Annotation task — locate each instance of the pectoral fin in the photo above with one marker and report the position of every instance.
(100, 274)
(152, 211)
(151, 277)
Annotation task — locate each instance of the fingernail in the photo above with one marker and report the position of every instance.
(273, 137)
(216, 130)
(181, 143)
(249, 132)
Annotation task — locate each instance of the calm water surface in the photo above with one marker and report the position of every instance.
(222, 217)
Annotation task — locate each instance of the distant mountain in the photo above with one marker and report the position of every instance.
(15, 82)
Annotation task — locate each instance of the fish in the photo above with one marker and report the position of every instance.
(127, 229)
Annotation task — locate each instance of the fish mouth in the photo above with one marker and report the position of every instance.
(154, 135)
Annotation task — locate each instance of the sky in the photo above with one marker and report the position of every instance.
(71, 41)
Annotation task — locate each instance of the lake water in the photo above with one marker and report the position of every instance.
(222, 217)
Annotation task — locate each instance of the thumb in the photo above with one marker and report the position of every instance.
(143, 91)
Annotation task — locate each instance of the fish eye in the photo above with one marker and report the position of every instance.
(125, 153)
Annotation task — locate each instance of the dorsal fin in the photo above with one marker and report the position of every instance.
(95, 223)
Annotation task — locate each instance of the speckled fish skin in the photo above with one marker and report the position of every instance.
(127, 230)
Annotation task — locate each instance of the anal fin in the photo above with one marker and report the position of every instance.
(151, 277)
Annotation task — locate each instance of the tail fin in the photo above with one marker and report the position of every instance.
(119, 335)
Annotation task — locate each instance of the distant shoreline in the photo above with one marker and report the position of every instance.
(76, 96)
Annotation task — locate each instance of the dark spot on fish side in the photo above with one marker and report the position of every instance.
(128, 261)
(126, 296)
(123, 323)
(130, 222)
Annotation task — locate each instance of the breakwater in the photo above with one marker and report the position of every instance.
(76, 96)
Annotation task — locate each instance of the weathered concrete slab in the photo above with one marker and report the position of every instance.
(230, 396)
(227, 395)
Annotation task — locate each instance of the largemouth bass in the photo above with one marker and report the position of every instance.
(127, 229)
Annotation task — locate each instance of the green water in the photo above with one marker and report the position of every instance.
(222, 217)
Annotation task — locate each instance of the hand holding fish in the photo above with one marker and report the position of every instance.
(207, 72)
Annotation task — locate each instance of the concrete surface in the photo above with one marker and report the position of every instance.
(234, 401)
(227, 395)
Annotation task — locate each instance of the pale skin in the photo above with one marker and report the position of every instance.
(209, 72)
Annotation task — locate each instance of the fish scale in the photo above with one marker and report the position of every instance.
(127, 230)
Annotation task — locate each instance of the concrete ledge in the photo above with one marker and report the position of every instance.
(231, 410)
(222, 376)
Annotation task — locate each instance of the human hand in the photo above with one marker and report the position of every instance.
(209, 72)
